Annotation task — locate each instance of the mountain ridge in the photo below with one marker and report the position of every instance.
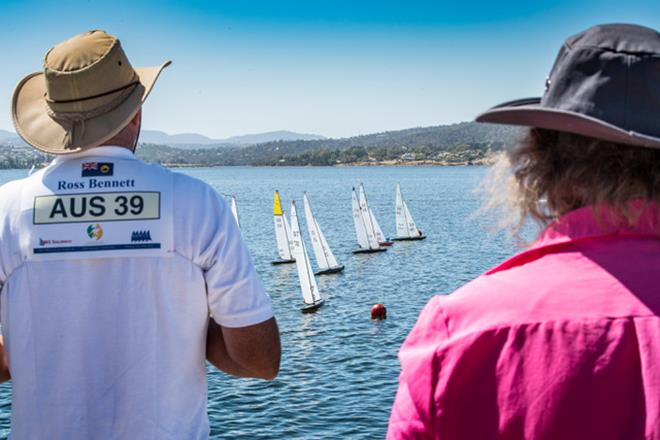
(196, 140)
(191, 140)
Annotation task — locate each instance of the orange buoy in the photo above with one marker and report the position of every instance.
(378, 311)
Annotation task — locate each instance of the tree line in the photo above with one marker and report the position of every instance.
(466, 142)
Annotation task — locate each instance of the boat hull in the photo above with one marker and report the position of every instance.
(386, 243)
(330, 270)
(311, 308)
(369, 251)
(277, 262)
(421, 237)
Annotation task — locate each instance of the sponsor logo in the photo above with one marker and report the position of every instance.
(43, 242)
(95, 231)
(141, 236)
(96, 169)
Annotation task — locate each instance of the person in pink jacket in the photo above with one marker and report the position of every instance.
(561, 341)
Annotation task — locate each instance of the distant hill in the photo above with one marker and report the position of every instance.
(192, 140)
(444, 136)
(160, 137)
(466, 142)
(9, 137)
(271, 136)
(461, 143)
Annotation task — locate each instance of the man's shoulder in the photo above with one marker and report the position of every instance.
(186, 187)
(11, 191)
(12, 187)
(552, 288)
(190, 189)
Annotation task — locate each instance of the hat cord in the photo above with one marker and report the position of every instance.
(70, 120)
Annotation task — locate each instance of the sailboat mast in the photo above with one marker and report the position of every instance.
(373, 230)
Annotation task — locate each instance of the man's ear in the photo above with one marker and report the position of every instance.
(137, 119)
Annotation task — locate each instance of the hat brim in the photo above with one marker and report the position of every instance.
(529, 112)
(36, 127)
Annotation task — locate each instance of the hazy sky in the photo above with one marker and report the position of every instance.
(331, 67)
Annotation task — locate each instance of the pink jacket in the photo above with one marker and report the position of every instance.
(562, 341)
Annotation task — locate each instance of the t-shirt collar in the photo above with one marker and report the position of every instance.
(104, 151)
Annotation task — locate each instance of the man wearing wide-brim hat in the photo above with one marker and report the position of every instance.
(561, 341)
(110, 267)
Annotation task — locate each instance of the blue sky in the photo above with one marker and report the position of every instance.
(336, 68)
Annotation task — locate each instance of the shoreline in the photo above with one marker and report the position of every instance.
(385, 163)
(415, 163)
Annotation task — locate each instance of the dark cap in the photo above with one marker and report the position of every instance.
(605, 84)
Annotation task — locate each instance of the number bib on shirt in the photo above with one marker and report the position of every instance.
(70, 213)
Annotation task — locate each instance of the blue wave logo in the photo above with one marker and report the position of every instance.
(141, 236)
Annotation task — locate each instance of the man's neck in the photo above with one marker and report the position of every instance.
(131, 149)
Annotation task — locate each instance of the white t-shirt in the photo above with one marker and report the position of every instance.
(110, 268)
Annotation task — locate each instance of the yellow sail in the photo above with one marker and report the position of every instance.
(277, 206)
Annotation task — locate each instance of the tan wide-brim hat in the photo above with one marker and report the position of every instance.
(87, 93)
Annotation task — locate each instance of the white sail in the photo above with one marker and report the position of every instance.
(377, 230)
(324, 257)
(360, 228)
(282, 230)
(412, 227)
(401, 223)
(234, 210)
(289, 235)
(310, 291)
(368, 220)
(405, 225)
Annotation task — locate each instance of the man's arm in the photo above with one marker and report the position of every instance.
(252, 351)
(4, 365)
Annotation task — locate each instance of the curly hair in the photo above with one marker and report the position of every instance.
(549, 173)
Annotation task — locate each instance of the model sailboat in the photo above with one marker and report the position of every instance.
(406, 229)
(364, 229)
(234, 210)
(325, 259)
(282, 233)
(382, 240)
(371, 220)
(310, 291)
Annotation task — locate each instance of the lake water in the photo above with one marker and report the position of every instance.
(339, 369)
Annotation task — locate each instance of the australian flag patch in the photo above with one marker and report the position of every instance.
(96, 169)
